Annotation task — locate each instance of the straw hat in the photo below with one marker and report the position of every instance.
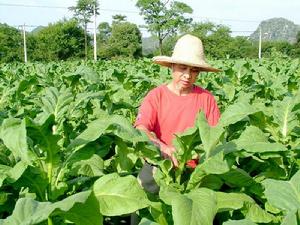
(188, 51)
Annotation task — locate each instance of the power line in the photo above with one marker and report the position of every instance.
(140, 28)
(62, 7)
(33, 6)
(242, 31)
(231, 20)
(123, 11)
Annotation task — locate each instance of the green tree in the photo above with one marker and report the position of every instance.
(104, 30)
(118, 18)
(125, 40)
(296, 51)
(164, 18)
(10, 44)
(169, 43)
(298, 38)
(83, 12)
(59, 41)
(216, 39)
(241, 47)
(201, 30)
(104, 33)
(281, 47)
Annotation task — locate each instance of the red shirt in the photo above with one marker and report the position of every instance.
(165, 113)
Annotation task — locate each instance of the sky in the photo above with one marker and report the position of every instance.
(239, 15)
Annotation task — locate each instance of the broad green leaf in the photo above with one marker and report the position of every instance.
(35, 181)
(271, 208)
(232, 201)
(28, 211)
(12, 174)
(119, 125)
(253, 133)
(119, 195)
(213, 165)
(55, 102)
(238, 178)
(254, 140)
(198, 207)
(88, 74)
(284, 195)
(3, 197)
(213, 182)
(210, 136)
(184, 144)
(42, 136)
(85, 214)
(14, 136)
(145, 221)
(4, 170)
(81, 101)
(284, 115)
(256, 214)
(229, 91)
(168, 193)
(159, 212)
(90, 167)
(291, 218)
(226, 148)
(260, 147)
(236, 112)
(125, 157)
(239, 222)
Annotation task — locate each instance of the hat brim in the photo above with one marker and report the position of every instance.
(168, 61)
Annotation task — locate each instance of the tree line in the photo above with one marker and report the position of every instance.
(165, 20)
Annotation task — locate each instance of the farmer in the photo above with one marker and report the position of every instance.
(172, 108)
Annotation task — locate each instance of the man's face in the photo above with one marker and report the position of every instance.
(184, 76)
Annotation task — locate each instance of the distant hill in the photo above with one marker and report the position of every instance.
(277, 29)
(37, 29)
(149, 44)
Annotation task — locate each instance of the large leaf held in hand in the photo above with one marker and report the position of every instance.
(213, 165)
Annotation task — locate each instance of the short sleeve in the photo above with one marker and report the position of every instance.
(147, 114)
(213, 113)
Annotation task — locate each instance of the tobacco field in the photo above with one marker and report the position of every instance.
(69, 153)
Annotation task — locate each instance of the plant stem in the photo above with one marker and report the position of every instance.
(50, 221)
(50, 168)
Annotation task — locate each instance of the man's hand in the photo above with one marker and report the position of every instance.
(168, 153)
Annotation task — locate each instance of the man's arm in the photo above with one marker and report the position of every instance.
(167, 151)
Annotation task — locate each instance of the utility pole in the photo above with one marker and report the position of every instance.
(95, 35)
(24, 44)
(259, 45)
